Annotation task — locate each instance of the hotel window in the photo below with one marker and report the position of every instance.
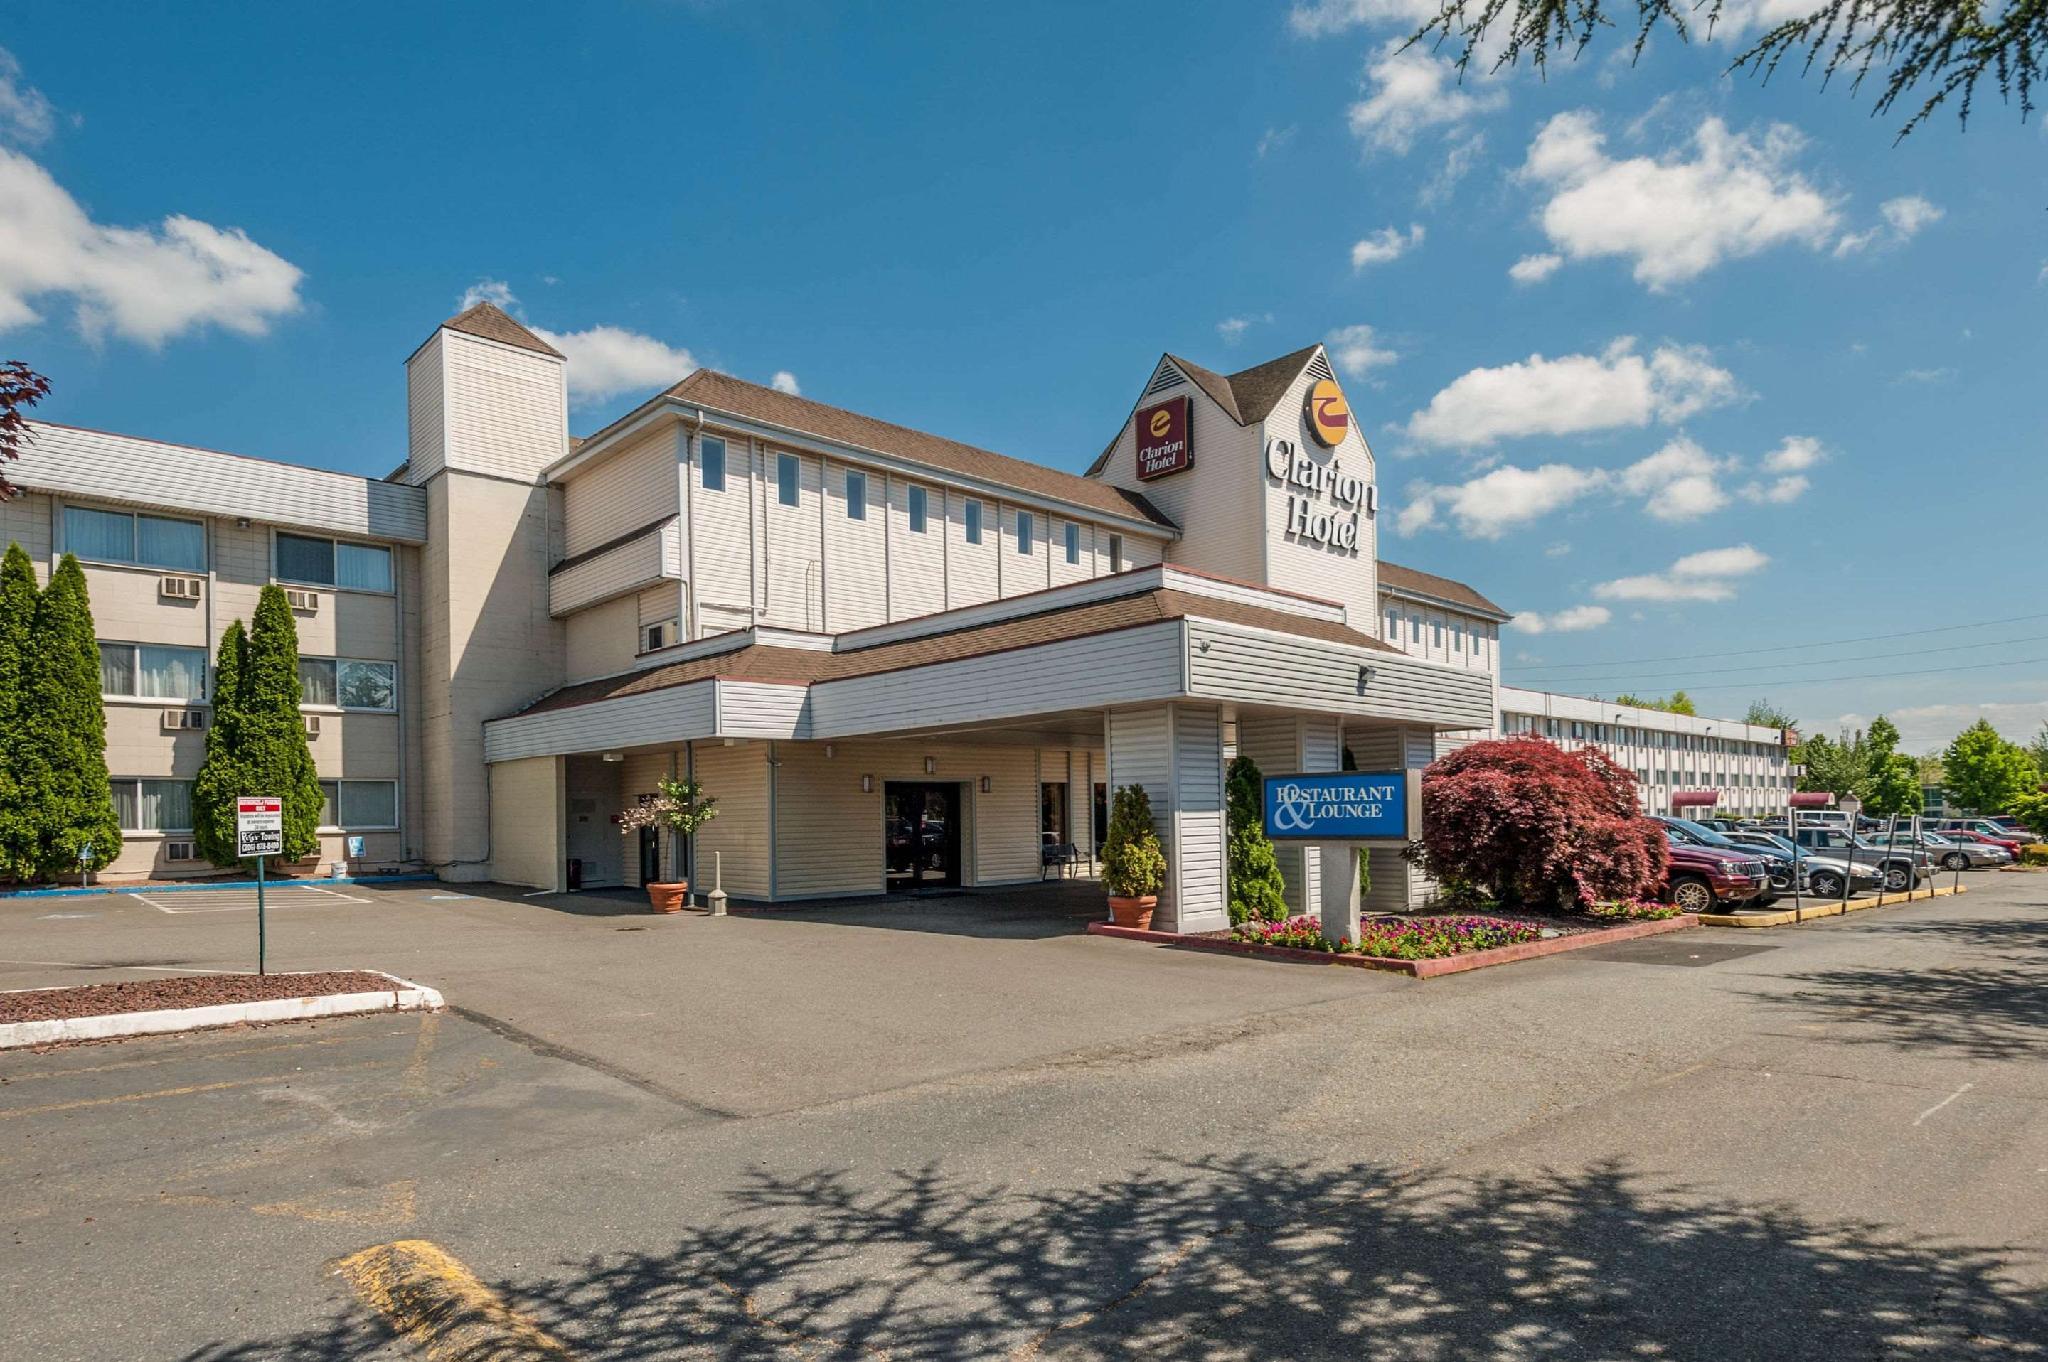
(1394, 624)
(1415, 627)
(1457, 636)
(1024, 532)
(153, 805)
(1116, 553)
(329, 562)
(917, 509)
(785, 479)
(1436, 633)
(711, 464)
(363, 805)
(348, 683)
(972, 513)
(856, 494)
(144, 540)
(152, 673)
(1073, 543)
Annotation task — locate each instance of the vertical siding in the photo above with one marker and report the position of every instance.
(970, 568)
(1021, 573)
(1380, 748)
(1273, 742)
(917, 562)
(629, 488)
(721, 543)
(1140, 753)
(792, 547)
(1199, 902)
(737, 777)
(856, 553)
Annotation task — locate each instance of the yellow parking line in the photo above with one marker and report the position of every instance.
(429, 1298)
(186, 1091)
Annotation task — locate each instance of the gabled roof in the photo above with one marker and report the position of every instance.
(804, 666)
(1246, 396)
(1394, 577)
(752, 400)
(493, 323)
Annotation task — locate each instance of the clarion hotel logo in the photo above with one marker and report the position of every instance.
(1165, 439)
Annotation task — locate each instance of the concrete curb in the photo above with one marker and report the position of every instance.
(403, 996)
(1790, 918)
(1414, 969)
(82, 892)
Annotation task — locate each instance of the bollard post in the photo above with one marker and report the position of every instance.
(716, 898)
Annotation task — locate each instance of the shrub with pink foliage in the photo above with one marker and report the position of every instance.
(1538, 825)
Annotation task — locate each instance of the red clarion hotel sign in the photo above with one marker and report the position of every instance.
(1165, 438)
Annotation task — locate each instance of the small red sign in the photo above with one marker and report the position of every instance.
(1165, 438)
(258, 804)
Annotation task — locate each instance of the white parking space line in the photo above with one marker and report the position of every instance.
(333, 894)
(244, 900)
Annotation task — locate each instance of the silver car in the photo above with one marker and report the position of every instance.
(1819, 875)
(1947, 853)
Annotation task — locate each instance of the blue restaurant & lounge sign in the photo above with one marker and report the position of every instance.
(1340, 806)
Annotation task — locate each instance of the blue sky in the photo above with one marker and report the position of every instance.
(1686, 367)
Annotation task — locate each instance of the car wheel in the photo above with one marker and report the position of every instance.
(1897, 878)
(1689, 894)
(1955, 860)
(1825, 884)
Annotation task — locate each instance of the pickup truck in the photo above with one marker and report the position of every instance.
(1698, 880)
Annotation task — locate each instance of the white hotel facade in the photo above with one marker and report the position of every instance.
(897, 661)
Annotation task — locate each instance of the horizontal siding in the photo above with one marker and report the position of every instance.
(1259, 668)
(1005, 819)
(507, 407)
(828, 833)
(600, 641)
(1198, 813)
(1123, 667)
(738, 778)
(154, 475)
(752, 709)
(624, 491)
(615, 572)
(671, 714)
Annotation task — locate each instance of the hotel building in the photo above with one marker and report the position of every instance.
(896, 660)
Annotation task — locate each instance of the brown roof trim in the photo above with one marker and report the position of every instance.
(493, 323)
(608, 545)
(1395, 577)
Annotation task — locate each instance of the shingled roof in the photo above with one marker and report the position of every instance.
(1246, 396)
(803, 666)
(493, 323)
(741, 398)
(1394, 577)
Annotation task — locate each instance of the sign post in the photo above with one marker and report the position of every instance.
(259, 834)
(1348, 813)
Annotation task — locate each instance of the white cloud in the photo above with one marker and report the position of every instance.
(496, 292)
(1679, 482)
(1571, 620)
(785, 382)
(1534, 269)
(148, 284)
(1738, 17)
(1729, 195)
(1904, 219)
(1704, 576)
(1321, 18)
(1356, 351)
(1458, 162)
(26, 117)
(1274, 139)
(1384, 245)
(1232, 329)
(1560, 548)
(1496, 501)
(605, 361)
(1411, 92)
(1778, 491)
(1574, 394)
(1795, 454)
(1924, 728)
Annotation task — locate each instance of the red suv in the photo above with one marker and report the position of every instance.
(1700, 879)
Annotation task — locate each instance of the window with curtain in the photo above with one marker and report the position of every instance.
(369, 804)
(105, 535)
(179, 544)
(153, 805)
(171, 673)
(316, 681)
(117, 669)
(362, 567)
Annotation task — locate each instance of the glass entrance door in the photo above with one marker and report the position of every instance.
(921, 831)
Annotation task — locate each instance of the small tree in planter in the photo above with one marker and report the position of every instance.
(678, 808)
(1256, 885)
(1133, 866)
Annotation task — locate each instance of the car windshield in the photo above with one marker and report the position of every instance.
(1770, 839)
(1699, 832)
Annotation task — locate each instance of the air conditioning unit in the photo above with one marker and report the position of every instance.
(305, 602)
(179, 719)
(181, 588)
(312, 723)
(180, 851)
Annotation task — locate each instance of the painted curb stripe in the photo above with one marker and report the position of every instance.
(426, 1296)
(1834, 908)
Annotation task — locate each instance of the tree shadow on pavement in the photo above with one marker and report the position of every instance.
(1254, 1258)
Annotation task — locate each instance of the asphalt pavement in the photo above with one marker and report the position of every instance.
(962, 1130)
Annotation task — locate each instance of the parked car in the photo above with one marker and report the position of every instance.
(1700, 879)
(1822, 876)
(2018, 829)
(1979, 829)
(1778, 867)
(2004, 844)
(1947, 854)
(1902, 867)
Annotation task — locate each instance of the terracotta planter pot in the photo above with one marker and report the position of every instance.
(668, 898)
(1133, 912)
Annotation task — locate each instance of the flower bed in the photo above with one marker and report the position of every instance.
(1392, 938)
(1621, 910)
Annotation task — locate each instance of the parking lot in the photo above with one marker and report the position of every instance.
(956, 1127)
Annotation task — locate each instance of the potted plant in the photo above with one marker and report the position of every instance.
(1133, 866)
(678, 807)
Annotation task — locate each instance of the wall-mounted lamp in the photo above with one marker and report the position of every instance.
(931, 766)
(1365, 676)
(985, 784)
(615, 756)
(867, 784)
(242, 522)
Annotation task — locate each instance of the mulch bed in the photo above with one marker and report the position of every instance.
(1575, 925)
(200, 990)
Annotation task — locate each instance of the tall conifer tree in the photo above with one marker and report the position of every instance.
(17, 618)
(220, 775)
(61, 755)
(270, 742)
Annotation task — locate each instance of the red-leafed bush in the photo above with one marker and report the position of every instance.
(1538, 826)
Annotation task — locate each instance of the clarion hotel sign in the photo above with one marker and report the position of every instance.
(1165, 438)
(1324, 500)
